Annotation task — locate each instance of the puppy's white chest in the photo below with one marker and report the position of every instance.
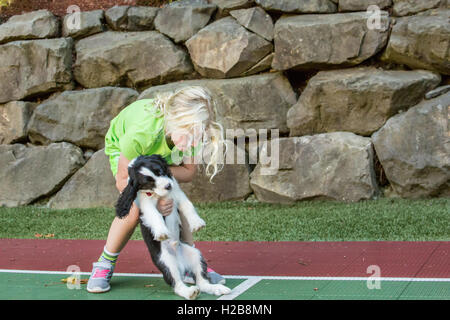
(150, 215)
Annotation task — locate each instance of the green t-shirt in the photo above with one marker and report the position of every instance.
(138, 130)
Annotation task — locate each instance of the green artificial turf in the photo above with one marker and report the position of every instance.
(382, 219)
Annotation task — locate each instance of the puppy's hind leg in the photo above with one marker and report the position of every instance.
(197, 264)
(167, 264)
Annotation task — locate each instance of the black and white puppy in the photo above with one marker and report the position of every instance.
(150, 179)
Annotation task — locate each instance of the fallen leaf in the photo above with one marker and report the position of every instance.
(38, 235)
(73, 280)
(300, 261)
(149, 285)
(50, 235)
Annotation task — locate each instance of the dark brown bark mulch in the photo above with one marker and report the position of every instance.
(59, 7)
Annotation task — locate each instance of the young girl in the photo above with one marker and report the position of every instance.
(174, 126)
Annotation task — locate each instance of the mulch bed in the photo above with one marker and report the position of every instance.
(59, 7)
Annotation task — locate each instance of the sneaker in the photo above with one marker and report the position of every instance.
(101, 275)
(213, 277)
(189, 278)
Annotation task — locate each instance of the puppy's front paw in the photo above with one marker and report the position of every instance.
(189, 293)
(196, 224)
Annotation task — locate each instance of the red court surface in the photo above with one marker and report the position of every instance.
(309, 259)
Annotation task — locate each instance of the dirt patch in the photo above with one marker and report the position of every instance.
(59, 7)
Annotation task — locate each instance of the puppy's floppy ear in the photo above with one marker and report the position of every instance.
(126, 199)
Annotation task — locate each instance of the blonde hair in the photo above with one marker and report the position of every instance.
(192, 106)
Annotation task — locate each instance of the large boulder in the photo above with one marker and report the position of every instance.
(295, 6)
(181, 19)
(30, 173)
(333, 166)
(323, 41)
(358, 100)
(254, 102)
(34, 67)
(231, 183)
(362, 5)
(256, 20)
(225, 49)
(81, 117)
(14, 117)
(414, 149)
(91, 186)
(421, 41)
(131, 18)
(408, 7)
(83, 24)
(38, 24)
(130, 59)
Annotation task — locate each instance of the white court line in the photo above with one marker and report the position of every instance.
(244, 286)
(157, 275)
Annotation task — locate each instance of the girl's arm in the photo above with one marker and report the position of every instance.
(182, 173)
(122, 173)
(185, 172)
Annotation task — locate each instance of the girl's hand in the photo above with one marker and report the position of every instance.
(165, 206)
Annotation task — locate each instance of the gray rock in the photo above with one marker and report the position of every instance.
(254, 102)
(80, 117)
(38, 24)
(117, 18)
(131, 18)
(91, 186)
(358, 100)
(83, 24)
(414, 150)
(421, 42)
(29, 173)
(226, 6)
(408, 7)
(141, 18)
(131, 59)
(437, 92)
(255, 19)
(231, 183)
(295, 6)
(35, 67)
(14, 117)
(182, 19)
(263, 65)
(225, 49)
(333, 166)
(321, 41)
(362, 5)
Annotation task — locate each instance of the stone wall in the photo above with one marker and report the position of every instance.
(358, 96)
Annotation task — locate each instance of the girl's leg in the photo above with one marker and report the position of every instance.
(185, 231)
(121, 230)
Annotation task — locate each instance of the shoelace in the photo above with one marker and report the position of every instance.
(101, 273)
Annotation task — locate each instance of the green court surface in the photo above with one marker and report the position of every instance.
(30, 285)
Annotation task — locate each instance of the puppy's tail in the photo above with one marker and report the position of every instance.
(125, 200)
